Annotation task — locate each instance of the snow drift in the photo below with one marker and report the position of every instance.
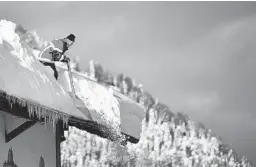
(25, 80)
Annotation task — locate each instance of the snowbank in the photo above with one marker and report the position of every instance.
(26, 81)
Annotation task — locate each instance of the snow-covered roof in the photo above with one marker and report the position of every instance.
(25, 80)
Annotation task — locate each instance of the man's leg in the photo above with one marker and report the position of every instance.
(52, 65)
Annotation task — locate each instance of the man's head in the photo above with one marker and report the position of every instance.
(70, 39)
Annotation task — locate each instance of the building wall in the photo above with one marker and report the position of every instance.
(29, 146)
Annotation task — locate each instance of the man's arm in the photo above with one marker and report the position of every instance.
(50, 48)
(44, 50)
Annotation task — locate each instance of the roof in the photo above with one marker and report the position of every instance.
(25, 80)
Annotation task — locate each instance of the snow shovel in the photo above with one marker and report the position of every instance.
(82, 109)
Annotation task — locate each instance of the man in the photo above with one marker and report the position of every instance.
(55, 51)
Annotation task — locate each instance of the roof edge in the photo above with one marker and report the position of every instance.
(35, 109)
(41, 113)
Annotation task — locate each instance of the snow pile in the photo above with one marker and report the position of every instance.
(7, 33)
(100, 99)
(40, 92)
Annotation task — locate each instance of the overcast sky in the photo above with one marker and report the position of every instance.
(197, 57)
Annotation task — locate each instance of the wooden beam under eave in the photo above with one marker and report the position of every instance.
(17, 131)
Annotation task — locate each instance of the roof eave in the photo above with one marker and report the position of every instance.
(17, 109)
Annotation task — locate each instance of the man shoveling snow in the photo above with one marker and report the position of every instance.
(55, 51)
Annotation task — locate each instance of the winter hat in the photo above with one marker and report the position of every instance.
(71, 37)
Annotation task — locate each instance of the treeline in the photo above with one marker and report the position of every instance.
(161, 144)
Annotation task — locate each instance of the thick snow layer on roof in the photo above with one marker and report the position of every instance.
(98, 98)
(103, 106)
(106, 105)
(22, 76)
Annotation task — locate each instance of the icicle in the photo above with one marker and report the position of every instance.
(56, 115)
(39, 114)
(49, 118)
(54, 118)
(53, 123)
(29, 110)
(38, 109)
(22, 103)
(18, 101)
(32, 110)
(36, 112)
(45, 118)
(8, 98)
(65, 120)
(60, 116)
(12, 99)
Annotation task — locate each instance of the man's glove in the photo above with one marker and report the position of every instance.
(56, 56)
(66, 59)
